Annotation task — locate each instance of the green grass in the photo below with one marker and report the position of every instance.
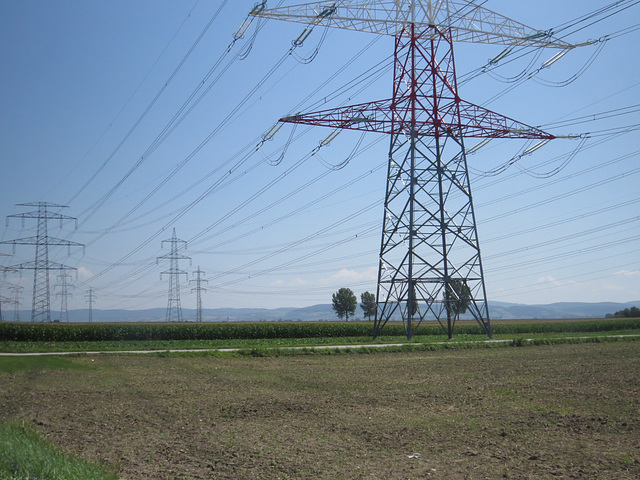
(281, 343)
(24, 455)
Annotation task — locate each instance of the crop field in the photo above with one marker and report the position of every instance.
(535, 412)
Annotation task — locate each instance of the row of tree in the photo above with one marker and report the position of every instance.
(633, 312)
(345, 303)
(457, 298)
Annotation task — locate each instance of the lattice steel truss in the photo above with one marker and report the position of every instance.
(64, 294)
(42, 266)
(90, 298)
(198, 289)
(429, 255)
(174, 308)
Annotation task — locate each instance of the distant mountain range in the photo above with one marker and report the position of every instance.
(497, 310)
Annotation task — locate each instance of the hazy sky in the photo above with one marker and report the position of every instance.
(140, 117)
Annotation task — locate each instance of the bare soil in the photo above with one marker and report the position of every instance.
(562, 412)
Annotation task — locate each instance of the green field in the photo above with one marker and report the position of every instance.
(28, 337)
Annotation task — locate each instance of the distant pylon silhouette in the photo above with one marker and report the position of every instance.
(17, 300)
(41, 306)
(64, 294)
(91, 294)
(174, 309)
(198, 289)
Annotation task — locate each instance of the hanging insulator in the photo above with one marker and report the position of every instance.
(573, 136)
(328, 11)
(536, 35)
(330, 138)
(555, 58)
(500, 56)
(271, 133)
(258, 7)
(243, 28)
(535, 147)
(478, 146)
(302, 37)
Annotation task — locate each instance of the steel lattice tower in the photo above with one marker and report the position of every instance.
(3, 300)
(198, 289)
(64, 294)
(91, 294)
(174, 309)
(17, 300)
(429, 251)
(42, 266)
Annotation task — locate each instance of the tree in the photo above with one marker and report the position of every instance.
(633, 312)
(344, 303)
(368, 305)
(460, 297)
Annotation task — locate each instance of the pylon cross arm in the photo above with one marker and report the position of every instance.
(458, 117)
(366, 117)
(467, 21)
(38, 265)
(38, 241)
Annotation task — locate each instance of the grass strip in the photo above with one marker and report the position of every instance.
(261, 352)
(273, 344)
(24, 455)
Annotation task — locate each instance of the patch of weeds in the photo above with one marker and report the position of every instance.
(628, 461)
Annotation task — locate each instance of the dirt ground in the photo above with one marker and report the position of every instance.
(562, 412)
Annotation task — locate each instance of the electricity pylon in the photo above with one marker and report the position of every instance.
(5, 270)
(3, 300)
(41, 306)
(17, 300)
(429, 259)
(198, 289)
(91, 294)
(64, 294)
(174, 309)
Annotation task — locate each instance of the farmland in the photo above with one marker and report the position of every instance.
(566, 410)
(25, 337)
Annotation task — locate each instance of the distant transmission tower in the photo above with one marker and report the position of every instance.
(174, 309)
(16, 300)
(198, 289)
(429, 259)
(3, 300)
(41, 306)
(5, 270)
(90, 296)
(64, 293)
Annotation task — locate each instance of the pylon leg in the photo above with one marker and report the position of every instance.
(429, 241)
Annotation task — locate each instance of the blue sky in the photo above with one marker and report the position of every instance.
(141, 119)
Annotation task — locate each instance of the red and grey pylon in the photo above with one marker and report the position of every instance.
(429, 253)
